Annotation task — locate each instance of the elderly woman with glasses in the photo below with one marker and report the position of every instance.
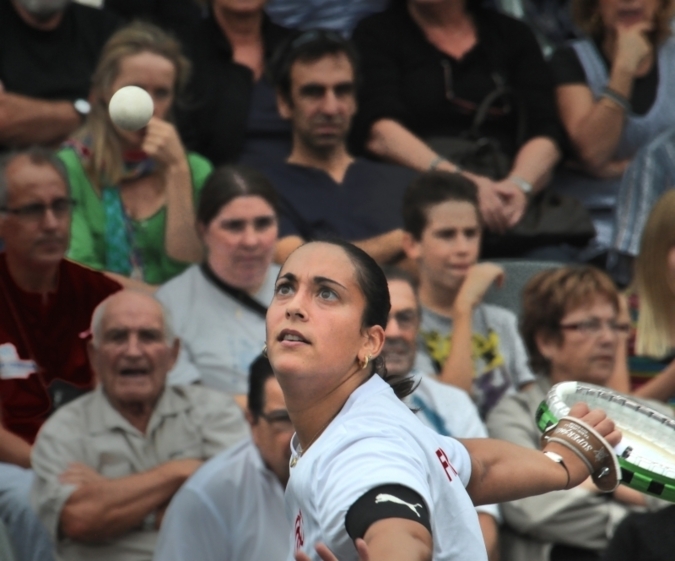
(574, 330)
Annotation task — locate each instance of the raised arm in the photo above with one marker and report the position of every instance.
(595, 125)
(181, 240)
(502, 471)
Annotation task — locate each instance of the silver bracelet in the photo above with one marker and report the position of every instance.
(524, 185)
(617, 98)
(438, 160)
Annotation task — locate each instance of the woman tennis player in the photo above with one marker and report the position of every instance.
(368, 480)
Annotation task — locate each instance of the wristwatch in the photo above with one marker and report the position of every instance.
(82, 107)
(525, 186)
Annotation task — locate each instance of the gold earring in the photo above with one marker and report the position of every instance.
(366, 360)
(264, 350)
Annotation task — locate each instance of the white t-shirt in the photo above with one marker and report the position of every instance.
(232, 509)
(376, 440)
(219, 336)
(450, 412)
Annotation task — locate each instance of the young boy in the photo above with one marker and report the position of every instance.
(468, 344)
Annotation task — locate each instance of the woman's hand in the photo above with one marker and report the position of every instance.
(514, 201)
(632, 46)
(492, 207)
(163, 144)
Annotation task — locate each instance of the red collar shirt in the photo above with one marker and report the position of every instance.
(43, 355)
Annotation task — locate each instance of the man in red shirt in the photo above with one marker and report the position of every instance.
(46, 305)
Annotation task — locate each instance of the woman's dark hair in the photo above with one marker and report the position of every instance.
(229, 182)
(258, 373)
(309, 46)
(430, 189)
(375, 289)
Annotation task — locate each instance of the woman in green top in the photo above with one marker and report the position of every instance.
(135, 192)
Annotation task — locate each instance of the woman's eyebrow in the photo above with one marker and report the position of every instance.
(321, 280)
(288, 276)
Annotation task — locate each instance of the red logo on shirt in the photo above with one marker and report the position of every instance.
(299, 532)
(447, 466)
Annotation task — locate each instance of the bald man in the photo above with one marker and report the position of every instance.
(107, 465)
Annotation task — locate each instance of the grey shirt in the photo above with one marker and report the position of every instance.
(220, 337)
(188, 422)
(500, 358)
(232, 509)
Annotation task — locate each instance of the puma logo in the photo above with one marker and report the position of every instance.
(385, 498)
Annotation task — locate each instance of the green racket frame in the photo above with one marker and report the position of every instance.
(632, 475)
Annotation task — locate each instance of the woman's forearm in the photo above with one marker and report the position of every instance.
(661, 387)
(181, 240)
(393, 142)
(536, 160)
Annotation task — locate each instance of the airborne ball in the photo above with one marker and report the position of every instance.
(131, 108)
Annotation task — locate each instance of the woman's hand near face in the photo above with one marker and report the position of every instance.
(163, 144)
(632, 47)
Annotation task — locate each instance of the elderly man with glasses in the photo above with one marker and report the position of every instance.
(46, 303)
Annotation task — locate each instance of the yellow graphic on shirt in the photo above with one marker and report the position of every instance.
(484, 350)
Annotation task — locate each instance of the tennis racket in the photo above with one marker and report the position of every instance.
(646, 452)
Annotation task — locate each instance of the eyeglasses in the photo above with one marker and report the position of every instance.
(465, 105)
(279, 420)
(60, 207)
(406, 319)
(592, 327)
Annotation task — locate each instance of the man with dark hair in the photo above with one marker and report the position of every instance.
(233, 508)
(45, 306)
(447, 410)
(325, 191)
(48, 51)
(469, 344)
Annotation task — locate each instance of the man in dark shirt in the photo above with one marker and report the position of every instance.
(48, 51)
(46, 304)
(324, 190)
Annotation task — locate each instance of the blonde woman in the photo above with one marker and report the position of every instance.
(652, 306)
(135, 191)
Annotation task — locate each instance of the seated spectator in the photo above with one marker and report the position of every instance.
(48, 52)
(447, 410)
(45, 306)
(135, 191)
(324, 190)
(219, 306)
(179, 16)
(467, 343)
(336, 15)
(650, 175)
(233, 508)
(427, 68)
(572, 331)
(651, 302)
(230, 114)
(643, 536)
(107, 465)
(614, 91)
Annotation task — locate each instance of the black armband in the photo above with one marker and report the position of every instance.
(386, 501)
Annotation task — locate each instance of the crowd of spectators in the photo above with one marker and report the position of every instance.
(139, 416)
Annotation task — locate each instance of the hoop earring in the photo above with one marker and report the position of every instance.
(365, 362)
(264, 350)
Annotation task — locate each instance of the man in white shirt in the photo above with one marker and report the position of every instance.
(233, 508)
(444, 408)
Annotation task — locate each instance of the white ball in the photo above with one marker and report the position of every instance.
(131, 108)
